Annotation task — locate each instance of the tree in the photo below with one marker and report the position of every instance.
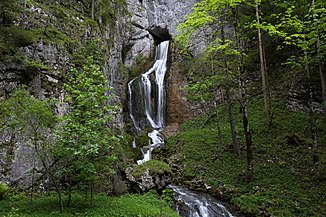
(86, 139)
(33, 119)
(304, 32)
(223, 19)
(263, 68)
(213, 15)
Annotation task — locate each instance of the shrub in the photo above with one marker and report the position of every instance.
(3, 190)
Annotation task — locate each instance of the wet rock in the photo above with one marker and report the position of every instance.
(179, 108)
(148, 181)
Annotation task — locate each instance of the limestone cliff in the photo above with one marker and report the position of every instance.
(41, 40)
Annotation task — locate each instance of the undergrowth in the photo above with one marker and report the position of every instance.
(285, 181)
(131, 205)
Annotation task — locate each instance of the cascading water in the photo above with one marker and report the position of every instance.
(190, 204)
(147, 101)
(147, 105)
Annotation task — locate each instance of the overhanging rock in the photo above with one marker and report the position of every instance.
(159, 34)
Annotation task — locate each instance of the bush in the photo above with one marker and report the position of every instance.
(3, 190)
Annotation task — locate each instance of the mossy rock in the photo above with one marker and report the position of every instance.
(155, 167)
(14, 37)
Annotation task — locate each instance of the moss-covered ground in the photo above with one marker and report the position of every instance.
(285, 181)
(127, 205)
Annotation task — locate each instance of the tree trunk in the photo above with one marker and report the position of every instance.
(243, 106)
(264, 75)
(312, 120)
(323, 85)
(248, 136)
(235, 143)
(24, 14)
(218, 125)
(93, 8)
(321, 72)
(69, 191)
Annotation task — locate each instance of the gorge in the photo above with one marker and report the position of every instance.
(162, 108)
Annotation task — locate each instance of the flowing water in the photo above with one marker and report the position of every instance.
(147, 100)
(147, 106)
(190, 204)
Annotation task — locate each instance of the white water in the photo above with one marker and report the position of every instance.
(190, 204)
(152, 102)
(147, 107)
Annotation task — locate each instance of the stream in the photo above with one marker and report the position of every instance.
(147, 106)
(190, 204)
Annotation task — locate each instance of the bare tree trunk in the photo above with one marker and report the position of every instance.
(243, 106)
(33, 176)
(218, 124)
(321, 70)
(264, 75)
(236, 147)
(312, 119)
(235, 143)
(24, 14)
(69, 191)
(247, 133)
(323, 83)
(93, 8)
(92, 192)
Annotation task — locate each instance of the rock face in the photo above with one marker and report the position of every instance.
(179, 109)
(47, 62)
(148, 14)
(148, 181)
(161, 18)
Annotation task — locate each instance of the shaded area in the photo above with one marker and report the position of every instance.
(159, 34)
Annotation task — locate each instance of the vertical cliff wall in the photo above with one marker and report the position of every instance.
(40, 45)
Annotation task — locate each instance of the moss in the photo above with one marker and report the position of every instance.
(33, 65)
(142, 64)
(14, 37)
(284, 182)
(156, 167)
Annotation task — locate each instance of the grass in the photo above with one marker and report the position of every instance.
(156, 167)
(285, 180)
(148, 205)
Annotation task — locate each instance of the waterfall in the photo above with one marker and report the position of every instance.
(147, 105)
(147, 100)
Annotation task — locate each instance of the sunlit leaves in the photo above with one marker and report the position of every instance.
(85, 136)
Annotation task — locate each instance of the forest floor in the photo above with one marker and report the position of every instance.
(147, 204)
(286, 182)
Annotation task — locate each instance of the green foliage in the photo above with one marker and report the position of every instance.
(147, 204)
(142, 64)
(168, 196)
(155, 167)
(22, 113)
(33, 65)
(3, 190)
(91, 48)
(9, 11)
(284, 182)
(86, 139)
(13, 37)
